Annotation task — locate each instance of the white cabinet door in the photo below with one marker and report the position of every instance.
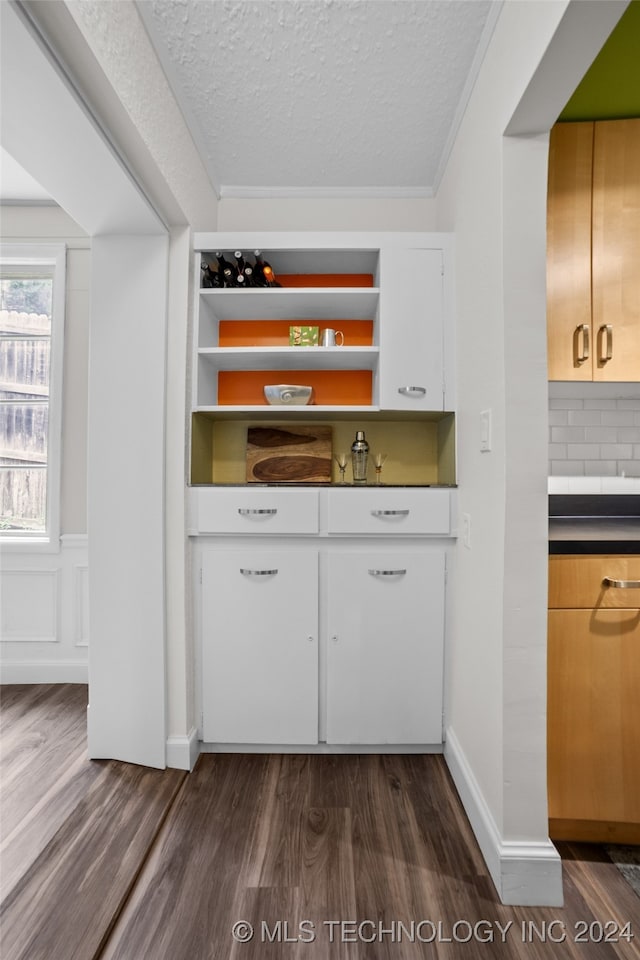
(385, 647)
(411, 329)
(260, 646)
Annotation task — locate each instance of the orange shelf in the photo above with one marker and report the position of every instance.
(325, 279)
(345, 388)
(275, 333)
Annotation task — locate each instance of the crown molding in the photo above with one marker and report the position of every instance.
(230, 191)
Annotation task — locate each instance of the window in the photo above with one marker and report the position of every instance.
(32, 284)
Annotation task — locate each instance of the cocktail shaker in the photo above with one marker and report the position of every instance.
(359, 457)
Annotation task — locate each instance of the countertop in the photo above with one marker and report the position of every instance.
(369, 485)
(597, 524)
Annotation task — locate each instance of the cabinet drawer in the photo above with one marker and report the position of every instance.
(577, 582)
(389, 511)
(265, 511)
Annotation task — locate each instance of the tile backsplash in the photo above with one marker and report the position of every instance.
(594, 429)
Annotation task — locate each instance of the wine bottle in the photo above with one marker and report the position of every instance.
(225, 269)
(210, 278)
(244, 270)
(265, 271)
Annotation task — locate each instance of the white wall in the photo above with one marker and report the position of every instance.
(326, 214)
(493, 198)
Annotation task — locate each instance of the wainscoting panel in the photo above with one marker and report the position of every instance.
(44, 613)
(81, 590)
(29, 605)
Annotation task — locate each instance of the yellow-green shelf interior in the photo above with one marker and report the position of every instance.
(420, 448)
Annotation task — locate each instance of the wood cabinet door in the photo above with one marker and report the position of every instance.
(385, 647)
(593, 715)
(259, 646)
(616, 250)
(411, 329)
(569, 330)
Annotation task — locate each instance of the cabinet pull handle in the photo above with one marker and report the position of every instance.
(584, 329)
(257, 573)
(412, 391)
(387, 573)
(621, 584)
(389, 513)
(267, 511)
(606, 332)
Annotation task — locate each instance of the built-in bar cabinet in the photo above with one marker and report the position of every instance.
(320, 602)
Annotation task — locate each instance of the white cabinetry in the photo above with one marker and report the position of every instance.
(384, 657)
(389, 510)
(320, 610)
(386, 290)
(260, 645)
(330, 637)
(412, 373)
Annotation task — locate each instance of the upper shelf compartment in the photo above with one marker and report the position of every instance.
(303, 267)
(386, 295)
(307, 303)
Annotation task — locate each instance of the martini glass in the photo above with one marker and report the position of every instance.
(341, 460)
(378, 461)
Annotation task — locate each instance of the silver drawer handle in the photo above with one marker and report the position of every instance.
(257, 573)
(389, 513)
(387, 573)
(621, 584)
(412, 391)
(268, 511)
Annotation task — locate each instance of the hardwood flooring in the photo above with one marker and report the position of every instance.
(326, 857)
(75, 831)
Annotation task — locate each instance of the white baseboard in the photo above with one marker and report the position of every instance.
(182, 752)
(44, 671)
(527, 873)
(321, 748)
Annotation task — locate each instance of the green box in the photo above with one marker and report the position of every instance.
(304, 336)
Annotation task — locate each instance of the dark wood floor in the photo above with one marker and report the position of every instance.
(365, 857)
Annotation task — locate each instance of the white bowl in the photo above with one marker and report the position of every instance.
(288, 394)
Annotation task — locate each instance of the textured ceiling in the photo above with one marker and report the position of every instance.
(342, 97)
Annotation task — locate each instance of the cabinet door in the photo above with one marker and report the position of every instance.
(411, 329)
(569, 336)
(385, 647)
(616, 250)
(259, 646)
(594, 716)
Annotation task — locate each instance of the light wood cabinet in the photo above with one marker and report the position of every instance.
(593, 249)
(594, 699)
(616, 250)
(569, 331)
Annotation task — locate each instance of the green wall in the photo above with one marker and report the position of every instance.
(610, 89)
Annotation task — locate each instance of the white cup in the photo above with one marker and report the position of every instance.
(329, 338)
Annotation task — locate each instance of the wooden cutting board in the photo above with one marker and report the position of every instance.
(296, 454)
